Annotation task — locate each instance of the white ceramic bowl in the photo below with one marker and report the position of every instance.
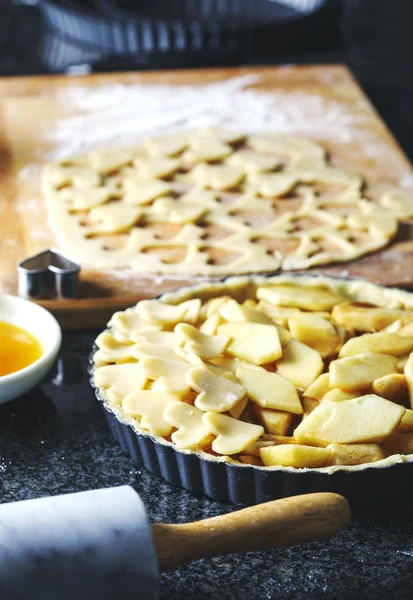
(45, 328)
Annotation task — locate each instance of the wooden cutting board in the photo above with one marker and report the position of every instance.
(324, 102)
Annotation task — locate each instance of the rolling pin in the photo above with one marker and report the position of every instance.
(100, 545)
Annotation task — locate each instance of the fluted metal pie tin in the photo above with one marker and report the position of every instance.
(368, 488)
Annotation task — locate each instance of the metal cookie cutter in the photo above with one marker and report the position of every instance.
(48, 274)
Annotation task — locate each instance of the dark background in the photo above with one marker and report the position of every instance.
(54, 440)
(374, 37)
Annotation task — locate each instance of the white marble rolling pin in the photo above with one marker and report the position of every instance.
(100, 545)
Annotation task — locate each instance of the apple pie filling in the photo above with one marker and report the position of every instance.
(289, 372)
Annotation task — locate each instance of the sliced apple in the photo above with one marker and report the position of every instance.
(367, 318)
(309, 404)
(253, 342)
(294, 455)
(238, 408)
(401, 363)
(270, 390)
(300, 364)
(316, 332)
(354, 454)
(250, 460)
(233, 312)
(398, 443)
(366, 419)
(394, 327)
(284, 335)
(407, 330)
(192, 308)
(211, 324)
(278, 314)
(211, 306)
(392, 387)
(274, 421)
(338, 395)
(278, 439)
(299, 297)
(406, 424)
(358, 372)
(319, 387)
(232, 364)
(382, 342)
(250, 303)
(254, 448)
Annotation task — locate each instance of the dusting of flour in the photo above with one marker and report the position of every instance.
(120, 115)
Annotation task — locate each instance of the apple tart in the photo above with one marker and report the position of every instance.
(216, 202)
(274, 373)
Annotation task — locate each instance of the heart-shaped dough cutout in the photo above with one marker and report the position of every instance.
(120, 380)
(130, 322)
(111, 350)
(232, 435)
(171, 375)
(217, 393)
(148, 407)
(205, 346)
(142, 349)
(191, 431)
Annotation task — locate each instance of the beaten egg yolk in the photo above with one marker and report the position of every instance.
(18, 348)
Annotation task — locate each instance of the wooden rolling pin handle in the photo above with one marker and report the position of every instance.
(276, 524)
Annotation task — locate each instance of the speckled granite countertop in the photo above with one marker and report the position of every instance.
(55, 440)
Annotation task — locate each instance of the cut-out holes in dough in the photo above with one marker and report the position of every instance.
(359, 238)
(327, 191)
(228, 197)
(284, 205)
(285, 245)
(328, 245)
(167, 254)
(114, 242)
(255, 218)
(343, 210)
(306, 223)
(83, 218)
(165, 231)
(218, 256)
(213, 232)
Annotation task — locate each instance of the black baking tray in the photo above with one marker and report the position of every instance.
(372, 490)
(369, 490)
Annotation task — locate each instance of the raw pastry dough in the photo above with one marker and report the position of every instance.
(215, 202)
